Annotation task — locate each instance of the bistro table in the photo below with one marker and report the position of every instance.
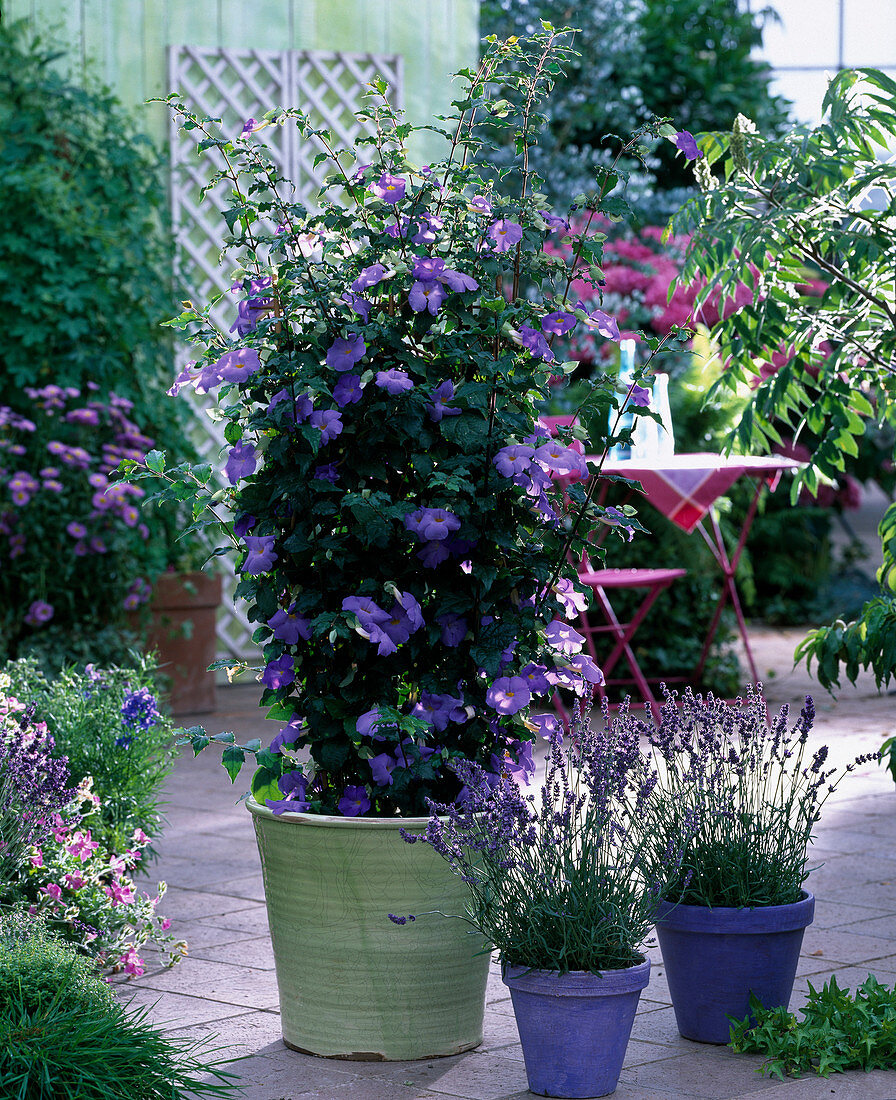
(683, 488)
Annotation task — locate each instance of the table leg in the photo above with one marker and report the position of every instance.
(716, 544)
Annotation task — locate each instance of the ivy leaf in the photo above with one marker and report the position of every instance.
(233, 759)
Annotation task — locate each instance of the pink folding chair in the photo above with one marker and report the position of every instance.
(602, 581)
(654, 581)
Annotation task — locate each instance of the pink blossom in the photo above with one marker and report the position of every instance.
(82, 846)
(120, 893)
(131, 963)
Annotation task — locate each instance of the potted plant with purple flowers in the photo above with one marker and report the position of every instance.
(747, 794)
(401, 541)
(565, 887)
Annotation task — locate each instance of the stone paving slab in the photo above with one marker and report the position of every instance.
(226, 987)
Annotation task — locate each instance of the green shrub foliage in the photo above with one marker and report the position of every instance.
(818, 203)
(837, 1032)
(64, 1036)
(690, 60)
(84, 264)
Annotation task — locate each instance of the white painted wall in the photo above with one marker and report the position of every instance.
(815, 38)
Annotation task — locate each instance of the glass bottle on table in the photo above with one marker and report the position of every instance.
(665, 444)
(626, 419)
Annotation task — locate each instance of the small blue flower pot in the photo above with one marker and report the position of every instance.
(715, 958)
(574, 1028)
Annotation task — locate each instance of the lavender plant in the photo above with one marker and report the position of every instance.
(33, 786)
(401, 540)
(745, 792)
(561, 881)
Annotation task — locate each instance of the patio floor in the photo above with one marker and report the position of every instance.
(226, 986)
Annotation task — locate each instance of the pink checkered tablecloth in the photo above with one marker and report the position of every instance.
(684, 487)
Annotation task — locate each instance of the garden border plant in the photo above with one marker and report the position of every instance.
(60, 857)
(836, 1033)
(64, 1035)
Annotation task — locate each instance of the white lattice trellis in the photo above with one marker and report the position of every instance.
(233, 86)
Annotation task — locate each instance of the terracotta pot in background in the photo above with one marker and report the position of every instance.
(182, 631)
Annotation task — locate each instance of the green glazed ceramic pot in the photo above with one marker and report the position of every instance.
(353, 984)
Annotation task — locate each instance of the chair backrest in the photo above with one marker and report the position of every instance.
(552, 423)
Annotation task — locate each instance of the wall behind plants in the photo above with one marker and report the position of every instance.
(127, 39)
(811, 40)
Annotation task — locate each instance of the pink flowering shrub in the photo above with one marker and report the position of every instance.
(50, 862)
(88, 894)
(638, 272)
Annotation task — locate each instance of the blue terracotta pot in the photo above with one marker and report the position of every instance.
(574, 1027)
(715, 958)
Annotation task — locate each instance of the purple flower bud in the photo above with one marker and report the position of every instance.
(241, 462)
(354, 801)
(558, 323)
(560, 635)
(288, 625)
(602, 322)
(261, 555)
(432, 523)
(534, 341)
(38, 613)
(329, 424)
(508, 694)
(426, 296)
(454, 629)
(513, 459)
(279, 673)
(344, 352)
(348, 390)
(358, 305)
(444, 392)
(394, 381)
(370, 276)
(428, 268)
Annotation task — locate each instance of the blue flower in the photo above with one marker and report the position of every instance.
(139, 711)
(354, 801)
(687, 144)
